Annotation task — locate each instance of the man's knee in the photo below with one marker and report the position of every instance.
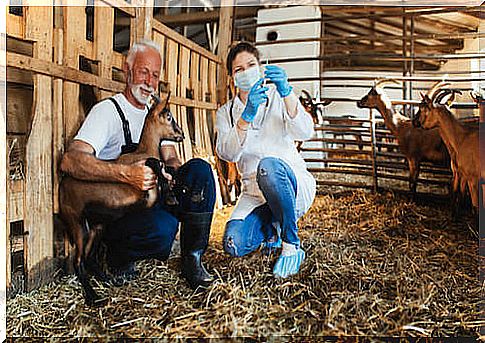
(199, 167)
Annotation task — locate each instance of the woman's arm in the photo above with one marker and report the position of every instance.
(230, 140)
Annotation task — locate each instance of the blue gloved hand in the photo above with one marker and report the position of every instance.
(278, 76)
(257, 96)
(288, 265)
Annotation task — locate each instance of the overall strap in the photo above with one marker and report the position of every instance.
(126, 124)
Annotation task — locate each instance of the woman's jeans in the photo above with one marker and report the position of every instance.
(277, 182)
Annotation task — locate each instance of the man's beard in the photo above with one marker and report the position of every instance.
(136, 91)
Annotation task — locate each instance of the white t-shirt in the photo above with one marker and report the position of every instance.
(103, 128)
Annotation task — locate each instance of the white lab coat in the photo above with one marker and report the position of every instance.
(274, 138)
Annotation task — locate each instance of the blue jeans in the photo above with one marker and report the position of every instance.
(149, 233)
(277, 182)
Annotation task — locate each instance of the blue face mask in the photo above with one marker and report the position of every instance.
(244, 80)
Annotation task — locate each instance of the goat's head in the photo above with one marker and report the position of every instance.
(162, 122)
(313, 107)
(376, 95)
(431, 102)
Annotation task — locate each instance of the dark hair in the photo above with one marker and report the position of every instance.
(235, 50)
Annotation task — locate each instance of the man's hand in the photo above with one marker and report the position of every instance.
(141, 176)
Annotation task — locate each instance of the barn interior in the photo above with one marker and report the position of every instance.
(382, 260)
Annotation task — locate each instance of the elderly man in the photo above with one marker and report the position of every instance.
(113, 127)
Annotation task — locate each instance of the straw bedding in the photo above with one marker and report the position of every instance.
(377, 265)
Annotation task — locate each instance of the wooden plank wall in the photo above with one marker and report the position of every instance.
(46, 112)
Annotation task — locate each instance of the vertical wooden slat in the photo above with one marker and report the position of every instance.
(184, 84)
(74, 33)
(103, 42)
(57, 119)
(212, 87)
(4, 174)
(143, 21)
(38, 223)
(226, 18)
(160, 40)
(194, 86)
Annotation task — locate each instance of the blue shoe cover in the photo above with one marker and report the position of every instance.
(288, 265)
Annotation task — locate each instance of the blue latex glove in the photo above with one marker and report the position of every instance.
(278, 76)
(289, 265)
(257, 96)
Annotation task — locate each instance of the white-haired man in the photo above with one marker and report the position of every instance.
(113, 127)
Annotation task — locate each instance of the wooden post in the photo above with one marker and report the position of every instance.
(38, 221)
(226, 18)
(372, 129)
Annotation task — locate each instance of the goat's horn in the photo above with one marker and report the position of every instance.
(440, 94)
(435, 87)
(380, 83)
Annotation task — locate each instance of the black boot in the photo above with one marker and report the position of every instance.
(194, 238)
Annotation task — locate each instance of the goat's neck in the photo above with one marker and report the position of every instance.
(391, 118)
(451, 130)
(149, 141)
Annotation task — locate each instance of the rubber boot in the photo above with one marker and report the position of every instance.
(194, 238)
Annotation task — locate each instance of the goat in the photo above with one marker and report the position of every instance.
(86, 206)
(462, 142)
(416, 144)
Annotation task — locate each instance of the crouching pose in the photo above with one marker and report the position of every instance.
(114, 127)
(257, 129)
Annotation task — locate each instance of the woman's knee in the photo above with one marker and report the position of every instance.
(269, 164)
(233, 242)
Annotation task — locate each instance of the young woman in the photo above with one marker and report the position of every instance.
(257, 130)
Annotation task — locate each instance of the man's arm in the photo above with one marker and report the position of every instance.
(80, 162)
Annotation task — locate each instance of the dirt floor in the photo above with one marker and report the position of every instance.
(377, 265)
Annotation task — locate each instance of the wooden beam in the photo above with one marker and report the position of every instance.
(38, 219)
(66, 73)
(193, 18)
(377, 38)
(169, 33)
(226, 21)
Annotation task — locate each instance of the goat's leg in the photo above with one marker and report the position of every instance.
(358, 138)
(91, 252)
(473, 187)
(90, 296)
(413, 176)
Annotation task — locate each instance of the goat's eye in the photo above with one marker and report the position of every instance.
(169, 116)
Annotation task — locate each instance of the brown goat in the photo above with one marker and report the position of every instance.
(86, 206)
(416, 144)
(462, 142)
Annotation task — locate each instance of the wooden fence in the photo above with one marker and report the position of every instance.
(45, 45)
(362, 153)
